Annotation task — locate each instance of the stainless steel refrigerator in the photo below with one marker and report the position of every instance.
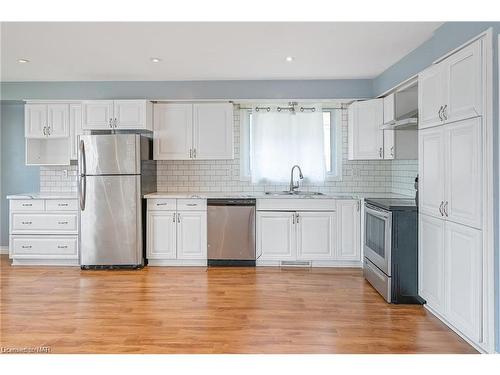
(115, 171)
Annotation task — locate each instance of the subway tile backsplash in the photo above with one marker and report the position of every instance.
(224, 175)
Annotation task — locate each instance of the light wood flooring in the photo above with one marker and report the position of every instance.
(214, 310)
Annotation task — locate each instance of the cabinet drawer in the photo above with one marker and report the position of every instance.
(162, 204)
(44, 223)
(44, 246)
(61, 205)
(27, 205)
(296, 204)
(191, 204)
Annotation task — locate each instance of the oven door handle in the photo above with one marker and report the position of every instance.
(377, 211)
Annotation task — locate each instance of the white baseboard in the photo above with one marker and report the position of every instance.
(4, 250)
(177, 262)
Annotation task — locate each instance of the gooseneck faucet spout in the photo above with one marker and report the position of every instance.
(294, 186)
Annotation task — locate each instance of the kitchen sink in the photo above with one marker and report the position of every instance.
(299, 193)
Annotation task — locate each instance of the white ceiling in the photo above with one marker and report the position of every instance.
(205, 51)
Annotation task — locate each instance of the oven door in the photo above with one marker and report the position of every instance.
(377, 243)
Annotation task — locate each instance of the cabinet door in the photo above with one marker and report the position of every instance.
(348, 230)
(464, 88)
(431, 266)
(191, 235)
(366, 140)
(97, 114)
(173, 131)
(35, 120)
(389, 108)
(431, 96)
(463, 166)
(316, 232)
(213, 131)
(58, 120)
(130, 114)
(276, 235)
(431, 171)
(463, 259)
(389, 144)
(75, 128)
(161, 235)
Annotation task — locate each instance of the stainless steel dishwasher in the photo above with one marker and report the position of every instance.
(231, 232)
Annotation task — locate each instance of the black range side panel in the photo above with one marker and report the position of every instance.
(405, 257)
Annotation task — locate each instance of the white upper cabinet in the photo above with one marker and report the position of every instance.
(463, 172)
(348, 230)
(431, 263)
(389, 108)
(75, 128)
(451, 90)
(365, 139)
(46, 120)
(276, 235)
(97, 115)
(431, 171)
(431, 96)
(463, 278)
(173, 131)
(464, 77)
(184, 131)
(213, 131)
(117, 114)
(315, 235)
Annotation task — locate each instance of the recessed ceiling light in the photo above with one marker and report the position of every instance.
(23, 61)
(289, 58)
(155, 59)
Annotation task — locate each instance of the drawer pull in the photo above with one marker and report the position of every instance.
(192, 204)
(161, 204)
(27, 204)
(62, 204)
(26, 246)
(62, 246)
(62, 222)
(26, 222)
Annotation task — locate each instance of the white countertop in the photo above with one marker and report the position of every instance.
(261, 195)
(70, 195)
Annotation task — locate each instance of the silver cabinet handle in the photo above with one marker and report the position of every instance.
(445, 208)
(26, 246)
(439, 113)
(178, 217)
(62, 222)
(62, 204)
(380, 152)
(441, 208)
(27, 204)
(83, 178)
(297, 217)
(392, 151)
(48, 130)
(192, 204)
(173, 218)
(110, 122)
(444, 112)
(62, 246)
(194, 153)
(26, 222)
(115, 123)
(190, 153)
(293, 218)
(161, 204)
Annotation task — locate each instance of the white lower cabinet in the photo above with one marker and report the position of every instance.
(323, 238)
(176, 236)
(450, 273)
(43, 232)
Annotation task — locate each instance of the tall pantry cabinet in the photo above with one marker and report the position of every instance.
(451, 190)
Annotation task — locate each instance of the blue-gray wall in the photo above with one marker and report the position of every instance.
(16, 177)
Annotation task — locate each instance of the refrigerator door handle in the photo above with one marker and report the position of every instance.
(83, 178)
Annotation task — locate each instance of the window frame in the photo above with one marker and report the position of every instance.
(335, 140)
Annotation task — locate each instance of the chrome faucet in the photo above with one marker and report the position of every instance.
(293, 186)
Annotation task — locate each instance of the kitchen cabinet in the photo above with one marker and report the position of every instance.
(463, 278)
(185, 131)
(176, 232)
(348, 230)
(389, 108)
(192, 234)
(117, 114)
(450, 181)
(431, 269)
(46, 120)
(315, 235)
(75, 128)
(365, 138)
(276, 235)
(451, 90)
(162, 235)
(43, 231)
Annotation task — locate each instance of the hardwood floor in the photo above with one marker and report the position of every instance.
(215, 310)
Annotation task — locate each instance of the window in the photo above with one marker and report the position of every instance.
(332, 129)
